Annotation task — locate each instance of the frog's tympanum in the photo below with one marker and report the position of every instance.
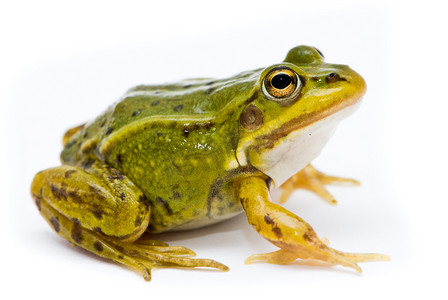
(185, 155)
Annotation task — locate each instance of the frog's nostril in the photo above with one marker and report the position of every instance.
(334, 77)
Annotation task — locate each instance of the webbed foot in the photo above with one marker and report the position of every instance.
(144, 255)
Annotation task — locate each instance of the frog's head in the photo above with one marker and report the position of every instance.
(294, 110)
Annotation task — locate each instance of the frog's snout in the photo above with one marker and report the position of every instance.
(353, 84)
(359, 83)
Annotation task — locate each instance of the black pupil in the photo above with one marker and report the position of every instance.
(281, 81)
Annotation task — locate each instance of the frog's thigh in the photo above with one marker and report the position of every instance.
(287, 231)
(105, 201)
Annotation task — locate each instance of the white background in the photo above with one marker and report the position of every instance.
(62, 63)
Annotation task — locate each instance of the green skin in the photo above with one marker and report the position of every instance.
(176, 157)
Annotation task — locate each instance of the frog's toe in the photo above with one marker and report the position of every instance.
(363, 257)
(144, 256)
(280, 257)
(311, 179)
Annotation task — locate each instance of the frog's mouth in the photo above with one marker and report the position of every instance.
(289, 148)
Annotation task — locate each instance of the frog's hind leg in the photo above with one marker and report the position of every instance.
(142, 256)
(311, 179)
(105, 213)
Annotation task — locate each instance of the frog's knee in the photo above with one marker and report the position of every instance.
(70, 133)
(118, 211)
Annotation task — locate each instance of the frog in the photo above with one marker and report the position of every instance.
(184, 155)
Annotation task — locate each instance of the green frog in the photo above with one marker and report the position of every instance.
(185, 155)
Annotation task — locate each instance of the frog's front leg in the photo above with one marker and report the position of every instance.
(102, 211)
(295, 238)
(311, 179)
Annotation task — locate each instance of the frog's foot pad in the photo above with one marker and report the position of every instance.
(144, 255)
(311, 179)
(333, 257)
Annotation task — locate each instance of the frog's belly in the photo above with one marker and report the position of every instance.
(214, 206)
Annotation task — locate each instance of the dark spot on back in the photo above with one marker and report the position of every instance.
(55, 223)
(176, 195)
(159, 134)
(122, 196)
(137, 112)
(98, 246)
(76, 234)
(119, 159)
(120, 257)
(68, 173)
(155, 102)
(165, 204)
(210, 83)
(109, 130)
(178, 108)
(186, 133)
(209, 91)
(76, 221)
(85, 134)
(187, 86)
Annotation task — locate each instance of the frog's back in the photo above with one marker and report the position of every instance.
(190, 99)
(198, 100)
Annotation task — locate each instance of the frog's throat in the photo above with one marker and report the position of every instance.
(291, 153)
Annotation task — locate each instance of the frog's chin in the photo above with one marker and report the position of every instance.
(297, 149)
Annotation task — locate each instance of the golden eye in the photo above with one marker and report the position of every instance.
(281, 84)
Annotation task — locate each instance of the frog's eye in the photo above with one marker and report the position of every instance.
(281, 84)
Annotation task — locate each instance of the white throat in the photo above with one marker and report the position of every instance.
(294, 152)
